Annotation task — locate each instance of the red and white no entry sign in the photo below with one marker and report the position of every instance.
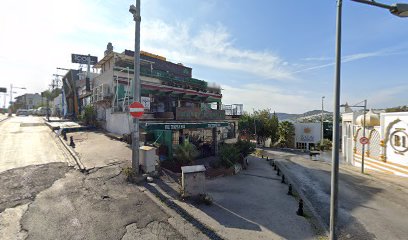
(364, 140)
(136, 109)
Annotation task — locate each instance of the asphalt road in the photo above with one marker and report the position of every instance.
(369, 208)
(27, 141)
(43, 197)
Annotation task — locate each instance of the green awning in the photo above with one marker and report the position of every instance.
(181, 125)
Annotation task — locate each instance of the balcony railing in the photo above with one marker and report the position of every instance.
(101, 92)
(233, 109)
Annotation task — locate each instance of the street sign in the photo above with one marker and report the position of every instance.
(364, 140)
(83, 59)
(136, 109)
(3, 89)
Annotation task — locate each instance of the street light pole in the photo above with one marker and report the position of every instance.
(336, 139)
(135, 136)
(364, 134)
(321, 140)
(400, 10)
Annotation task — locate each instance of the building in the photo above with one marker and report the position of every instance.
(75, 93)
(307, 135)
(30, 100)
(176, 105)
(387, 148)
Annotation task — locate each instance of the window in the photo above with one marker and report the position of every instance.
(176, 137)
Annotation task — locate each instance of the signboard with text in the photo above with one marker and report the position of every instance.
(83, 59)
(178, 126)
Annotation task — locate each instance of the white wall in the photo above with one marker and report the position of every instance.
(118, 122)
(396, 154)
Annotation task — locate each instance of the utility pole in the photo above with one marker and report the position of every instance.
(364, 134)
(135, 136)
(321, 140)
(336, 135)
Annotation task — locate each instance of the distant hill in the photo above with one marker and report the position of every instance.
(309, 116)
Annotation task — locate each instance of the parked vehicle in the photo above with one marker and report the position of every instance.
(42, 111)
(30, 111)
(22, 112)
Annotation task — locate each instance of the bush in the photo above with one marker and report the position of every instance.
(88, 115)
(245, 147)
(186, 153)
(228, 155)
(327, 145)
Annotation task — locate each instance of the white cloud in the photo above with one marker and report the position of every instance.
(255, 96)
(211, 46)
(353, 57)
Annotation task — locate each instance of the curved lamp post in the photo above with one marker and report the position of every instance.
(400, 10)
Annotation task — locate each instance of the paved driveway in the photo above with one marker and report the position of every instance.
(254, 205)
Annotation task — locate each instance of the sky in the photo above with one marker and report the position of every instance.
(265, 54)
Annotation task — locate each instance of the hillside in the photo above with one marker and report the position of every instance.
(309, 116)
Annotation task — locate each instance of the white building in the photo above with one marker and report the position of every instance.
(307, 135)
(387, 148)
(30, 100)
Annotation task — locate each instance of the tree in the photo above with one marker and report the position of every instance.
(286, 134)
(246, 124)
(274, 128)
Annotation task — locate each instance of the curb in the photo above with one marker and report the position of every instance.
(73, 154)
(295, 184)
(4, 119)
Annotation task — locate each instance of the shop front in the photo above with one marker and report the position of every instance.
(204, 135)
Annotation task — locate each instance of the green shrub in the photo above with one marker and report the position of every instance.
(88, 115)
(327, 145)
(245, 147)
(186, 153)
(228, 155)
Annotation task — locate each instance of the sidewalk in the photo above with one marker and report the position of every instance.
(251, 205)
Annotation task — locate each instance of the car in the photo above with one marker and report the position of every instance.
(30, 111)
(42, 111)
(22, 112)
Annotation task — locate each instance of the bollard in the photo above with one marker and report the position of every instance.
(300, 209)
(278, 172)
(64, 135)
(262, 156)
(272, 162)
(72, 144)
(274, 167)
(290, 190)
(283, 178)
(267, 158)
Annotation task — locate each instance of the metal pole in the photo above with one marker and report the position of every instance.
(321, 140)
(364, 130)
(336, 139)
(135, 135)
(11, 99)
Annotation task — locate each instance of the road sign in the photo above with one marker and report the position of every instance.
(364, 140)
(136, 109)
(83, 59)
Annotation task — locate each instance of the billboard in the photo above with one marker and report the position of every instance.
(83, 59)
(308, 132)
